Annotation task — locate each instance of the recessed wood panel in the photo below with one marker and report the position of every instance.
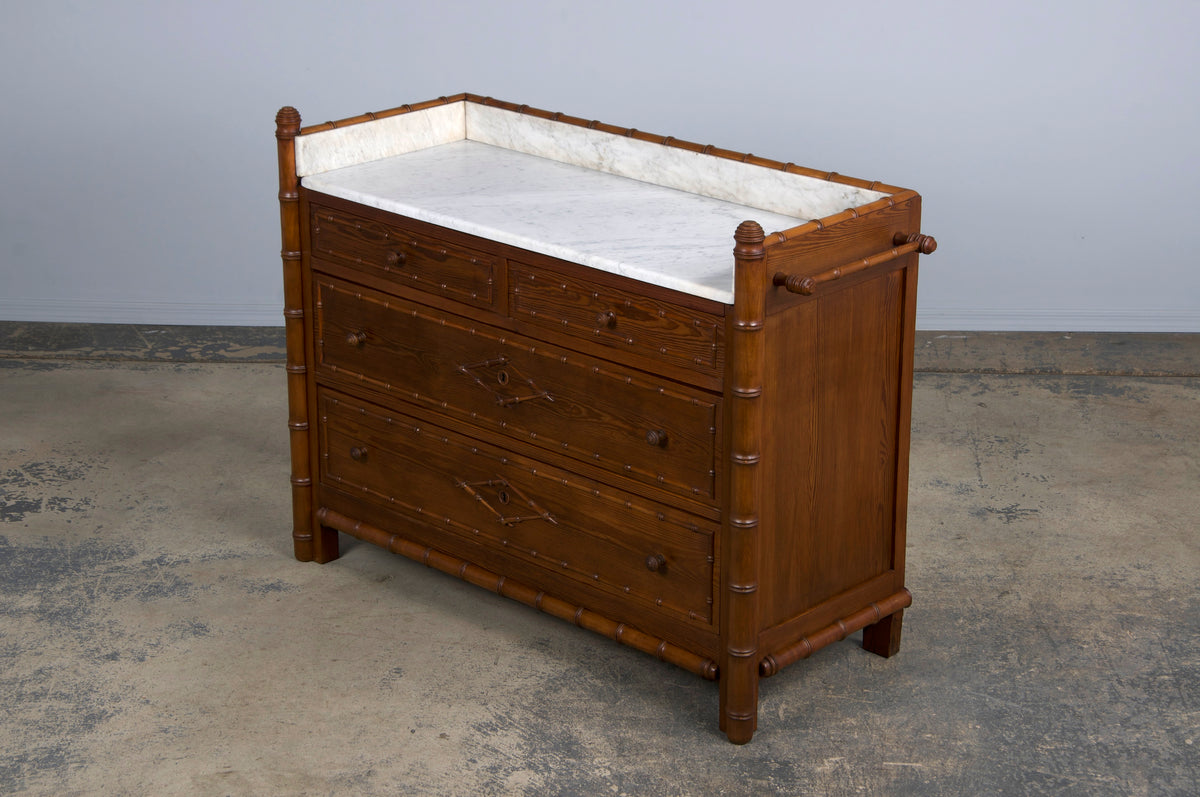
(831, 445)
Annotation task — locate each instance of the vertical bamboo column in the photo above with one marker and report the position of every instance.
(740, 656)
(287, 127)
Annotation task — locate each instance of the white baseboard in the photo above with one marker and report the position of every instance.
(1010, 319)
(89, 311)
(1075, 320)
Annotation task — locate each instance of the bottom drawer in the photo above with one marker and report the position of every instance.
(642, 551)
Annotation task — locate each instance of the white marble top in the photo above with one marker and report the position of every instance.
(663, 215)
(658, 235)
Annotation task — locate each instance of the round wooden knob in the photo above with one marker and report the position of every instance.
(356, 338)
(395, 258)
(606, 319)
(926, 244)
(656, 437)
(358, 453)
(795, 283)
(656, 562)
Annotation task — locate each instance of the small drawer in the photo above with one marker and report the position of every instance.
(627, 321)
(401, 256)
(627, 422)
(598, 535)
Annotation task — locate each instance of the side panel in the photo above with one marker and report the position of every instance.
(838, 405)
(832, 449)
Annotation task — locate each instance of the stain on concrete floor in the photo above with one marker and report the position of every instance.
(27, 340)
(156, 637)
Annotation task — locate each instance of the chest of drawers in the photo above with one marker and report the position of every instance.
(565, 362)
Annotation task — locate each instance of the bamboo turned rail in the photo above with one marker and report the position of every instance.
(835, 632)
(514, 590)
(902, 244)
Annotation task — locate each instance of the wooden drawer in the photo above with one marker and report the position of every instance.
(626, 321)
(404, 257)
(624, 421)
(648, 553)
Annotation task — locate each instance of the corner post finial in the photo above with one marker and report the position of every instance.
(287, 122)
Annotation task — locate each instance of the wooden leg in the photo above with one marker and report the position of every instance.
(302, 525)
(738, 684)
(326, 545)
(883, 638)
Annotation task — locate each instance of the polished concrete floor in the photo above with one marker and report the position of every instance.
(157, 637)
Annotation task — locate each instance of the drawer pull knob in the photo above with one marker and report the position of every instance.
(356, 338)
(395, 258)
(656, 563)
(657, 438)
(607, 319)
(358, 453)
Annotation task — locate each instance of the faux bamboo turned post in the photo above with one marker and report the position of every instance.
(287, 127)
(740, 612)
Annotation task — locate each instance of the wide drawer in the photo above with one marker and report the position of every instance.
(404, 257)
(615, 418)
(601, 536)
(622, 320)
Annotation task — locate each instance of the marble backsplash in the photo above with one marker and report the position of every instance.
(790, 194)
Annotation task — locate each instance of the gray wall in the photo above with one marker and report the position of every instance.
(1050, 140)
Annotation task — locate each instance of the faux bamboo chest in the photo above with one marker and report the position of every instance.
(566, 362)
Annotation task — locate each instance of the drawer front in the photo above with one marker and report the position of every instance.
(392, 252)
(612, 417)
(639, 550)
(620, 319)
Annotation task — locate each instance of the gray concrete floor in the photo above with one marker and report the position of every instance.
(157, 637)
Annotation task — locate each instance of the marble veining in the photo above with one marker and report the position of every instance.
(769, 189)
(660, 235)
(381, 138)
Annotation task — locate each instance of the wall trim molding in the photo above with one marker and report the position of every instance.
(979, 319)
(126, 311)
(1014, 319)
